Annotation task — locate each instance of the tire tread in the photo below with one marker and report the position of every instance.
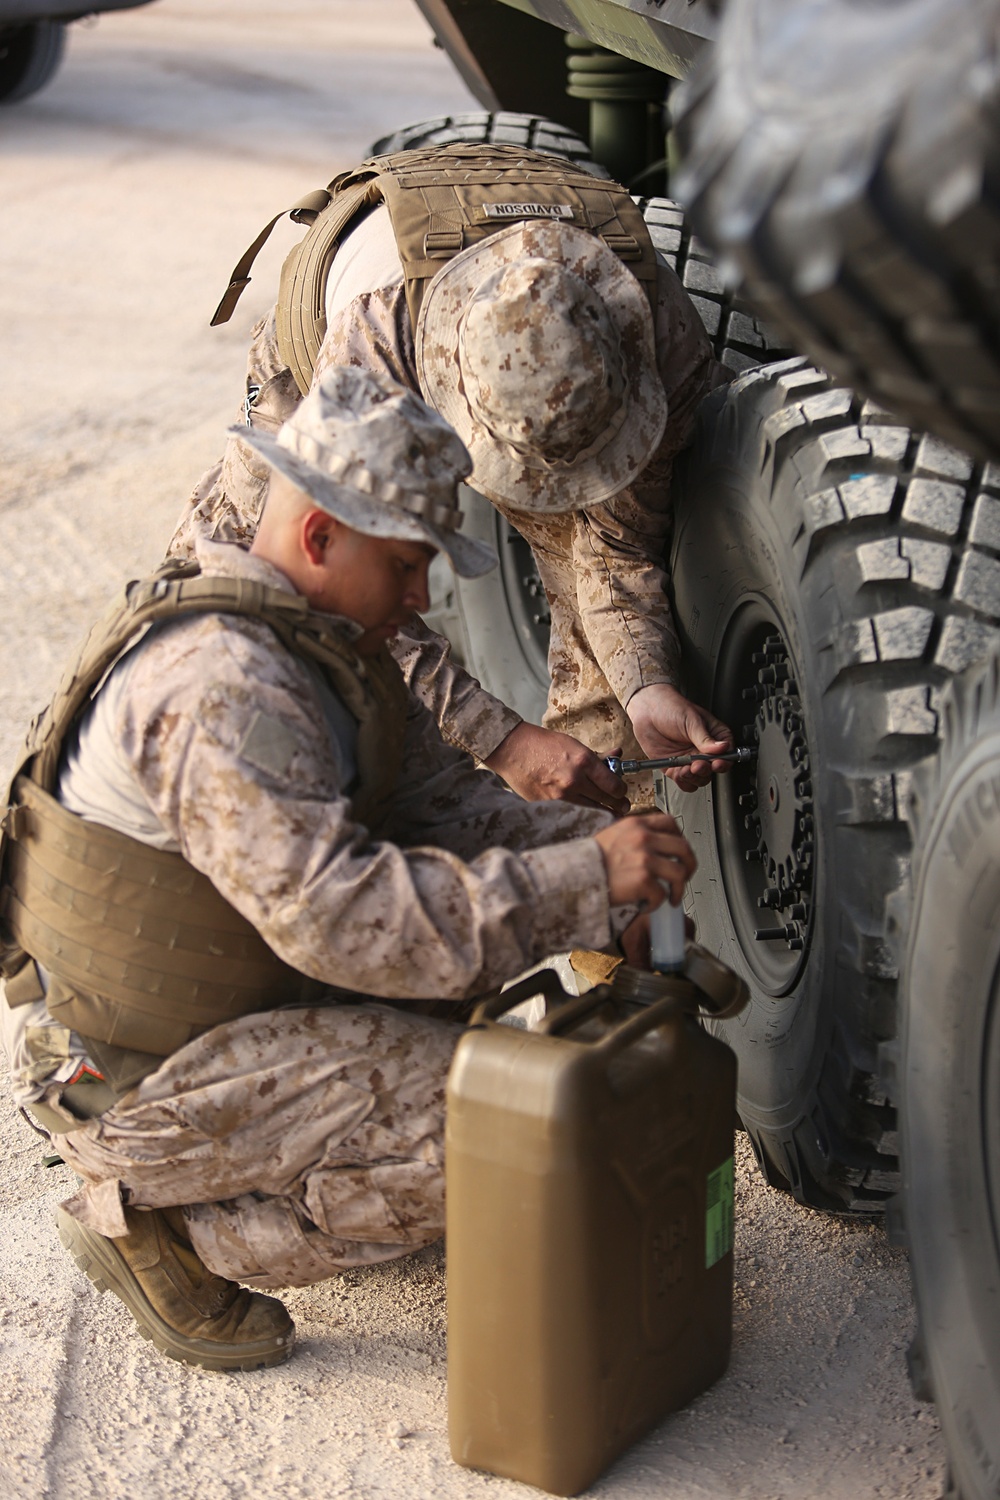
(908, 600)
(891, 288)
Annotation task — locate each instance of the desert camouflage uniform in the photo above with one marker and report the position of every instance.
(602, 569)
(312, 1139)
(300, 1142)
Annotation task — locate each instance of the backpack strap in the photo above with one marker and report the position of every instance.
(303, 212)
(300, 314)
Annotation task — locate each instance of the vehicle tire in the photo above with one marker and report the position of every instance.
(831, 570)
(502, 128)
(843, 161)
(739, 339)
(29, 58)
(948, 1082)
(498, 625)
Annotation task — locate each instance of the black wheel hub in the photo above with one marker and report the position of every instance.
(764, 810)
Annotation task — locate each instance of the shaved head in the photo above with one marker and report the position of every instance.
(378, 582)
(284, 500)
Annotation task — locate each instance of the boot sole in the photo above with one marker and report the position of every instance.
(102, 1264)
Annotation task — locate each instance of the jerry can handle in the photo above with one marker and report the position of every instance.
(574, 1010)
(546, 982)
(670, 1008)
(723, 994)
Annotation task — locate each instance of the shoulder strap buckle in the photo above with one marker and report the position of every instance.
(309, 208)
(442, 244)
(304, 212)
(14, 822)
(625, 246)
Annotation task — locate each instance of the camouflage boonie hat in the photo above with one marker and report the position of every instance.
(537, 345)
(379, 459)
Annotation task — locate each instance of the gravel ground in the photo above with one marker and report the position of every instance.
(130, 187)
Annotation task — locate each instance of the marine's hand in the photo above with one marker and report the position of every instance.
(640, 853)
(667, 723)
(542, 765)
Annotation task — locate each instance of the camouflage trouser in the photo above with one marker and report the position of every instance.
(299, 1142)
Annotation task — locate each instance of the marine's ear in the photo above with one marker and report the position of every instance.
(318, 532)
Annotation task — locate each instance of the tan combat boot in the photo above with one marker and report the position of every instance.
(188, 1313)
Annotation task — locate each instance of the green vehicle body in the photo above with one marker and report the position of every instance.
(513, 55)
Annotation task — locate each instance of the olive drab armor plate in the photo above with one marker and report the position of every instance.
(142, 951)
(589, 1222)
(441, 200)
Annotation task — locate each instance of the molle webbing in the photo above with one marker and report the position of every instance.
(173, 592)
(371, 690)
(142, 951)
(440, 200)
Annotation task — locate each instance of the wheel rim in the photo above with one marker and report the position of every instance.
(526, 601)
(764, 820)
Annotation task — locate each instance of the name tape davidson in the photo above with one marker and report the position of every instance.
(527, 210)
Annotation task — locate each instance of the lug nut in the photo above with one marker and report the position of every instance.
(777, 934)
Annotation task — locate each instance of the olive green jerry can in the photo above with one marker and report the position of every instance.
(589, 1220)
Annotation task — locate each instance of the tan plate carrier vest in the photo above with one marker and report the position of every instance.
(142, 952)
(441, 199)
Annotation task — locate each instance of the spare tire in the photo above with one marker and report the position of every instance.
(738, 338)
(831, 570)
(843, 160)
(501, 128)
(29, 58)
(948, 1080)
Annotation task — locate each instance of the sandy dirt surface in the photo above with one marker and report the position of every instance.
(130, 187)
